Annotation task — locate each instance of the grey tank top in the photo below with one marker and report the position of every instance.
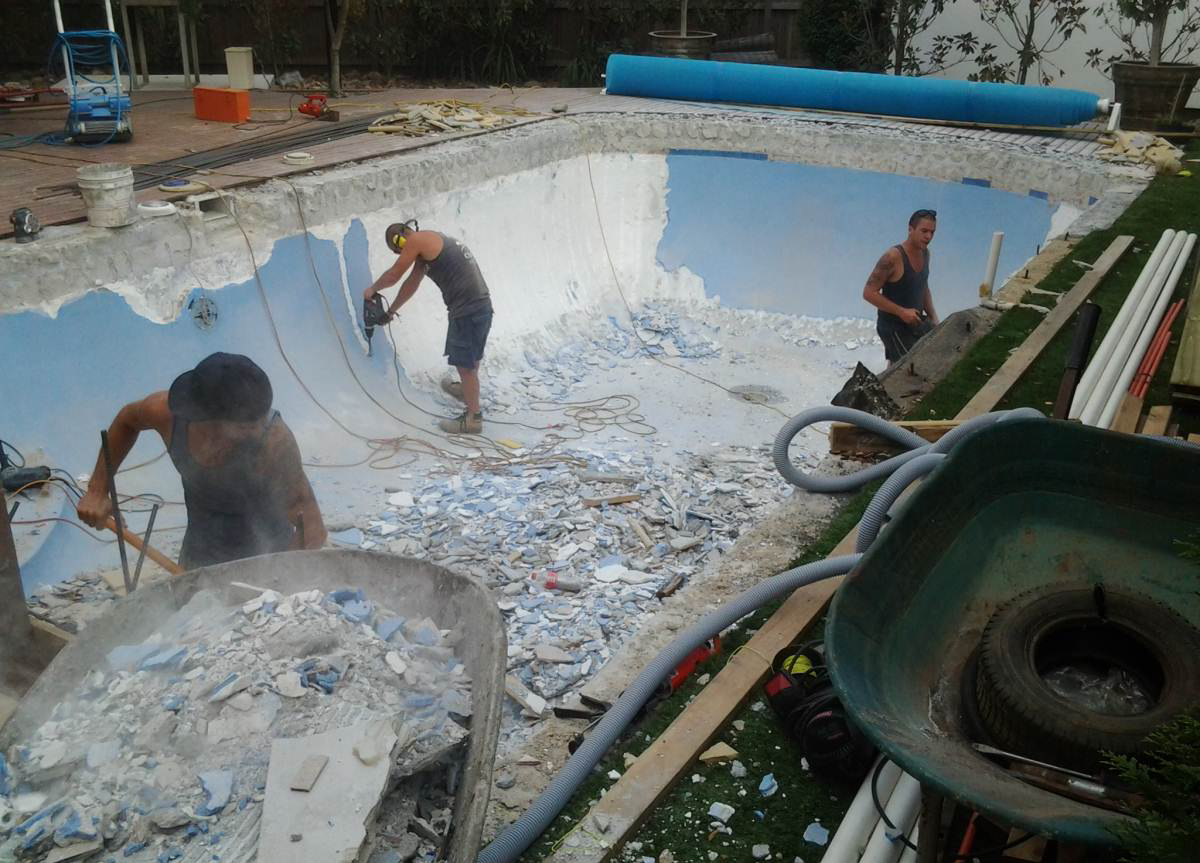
(234, 510)
(908, 291)
(457, 276)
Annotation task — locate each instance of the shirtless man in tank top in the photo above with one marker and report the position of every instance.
(899, 288)
(452, 267)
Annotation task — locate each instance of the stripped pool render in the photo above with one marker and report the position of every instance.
(669, 289)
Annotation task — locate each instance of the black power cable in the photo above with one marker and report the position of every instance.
(987, 852)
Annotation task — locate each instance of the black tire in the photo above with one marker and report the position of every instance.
(1049, 626)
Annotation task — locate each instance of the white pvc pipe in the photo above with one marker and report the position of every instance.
(1091, 373)
(910, 854)
(1147, 334)
(860, 819)
(902, 810)
(1103, 390)
(989, 278)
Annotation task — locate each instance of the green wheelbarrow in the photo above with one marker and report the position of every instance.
(1021, 509)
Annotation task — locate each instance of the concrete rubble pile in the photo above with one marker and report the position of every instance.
(577, 555)
(72, 604)
(163, 750)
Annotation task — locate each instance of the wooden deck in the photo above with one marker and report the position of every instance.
(42, 176)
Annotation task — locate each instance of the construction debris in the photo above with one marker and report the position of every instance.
(441, 116)
(1142, 148)
(718, 754)
(167, 743)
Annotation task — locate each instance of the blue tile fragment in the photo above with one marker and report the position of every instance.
(385, 629)
(167, 659)
(1038, 193)
(977, 181)
(218, 786)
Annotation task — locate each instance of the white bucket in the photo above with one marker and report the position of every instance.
(107, 191)
(239, 63)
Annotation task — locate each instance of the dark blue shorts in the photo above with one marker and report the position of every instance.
(466, 338)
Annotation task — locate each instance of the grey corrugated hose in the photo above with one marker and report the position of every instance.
(519, 835)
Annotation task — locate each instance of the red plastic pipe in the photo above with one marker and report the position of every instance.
(1156, 351)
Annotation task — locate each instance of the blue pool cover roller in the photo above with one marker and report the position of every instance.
(860, 92)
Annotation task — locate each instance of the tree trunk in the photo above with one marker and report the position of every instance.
(336, 34)
(1026, 55)
(1158, 27)
(901, 46)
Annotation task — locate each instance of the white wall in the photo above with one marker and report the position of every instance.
(963, 16)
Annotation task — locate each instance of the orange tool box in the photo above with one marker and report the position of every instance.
(221, 104)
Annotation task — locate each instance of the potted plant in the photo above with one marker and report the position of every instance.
(696, 44)
(1154, 76)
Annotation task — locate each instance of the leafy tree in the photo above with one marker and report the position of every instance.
(1034, 29)
(1143, 26)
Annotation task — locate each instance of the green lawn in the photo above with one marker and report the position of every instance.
(680, 823)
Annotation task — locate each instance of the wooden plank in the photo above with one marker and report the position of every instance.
(1185, 374)
(1022, 358)
(1157, 420)
(847, 439)
(1127, 415)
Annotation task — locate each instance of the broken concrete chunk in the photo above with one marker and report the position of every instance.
(721, 812)
(395, 663)
(333, 817)
(531, 702)
(760, 852)
(290, 685)
(737, 770)
(683, 543)
(550, 653)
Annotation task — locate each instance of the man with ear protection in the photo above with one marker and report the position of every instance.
(454, 270)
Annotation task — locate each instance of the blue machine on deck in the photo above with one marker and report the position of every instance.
(100, 109)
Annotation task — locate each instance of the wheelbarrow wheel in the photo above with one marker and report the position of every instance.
(1062, 626)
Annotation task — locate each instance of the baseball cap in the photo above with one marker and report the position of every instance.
(221, 387)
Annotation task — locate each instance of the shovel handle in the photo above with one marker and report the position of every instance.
(151, 552)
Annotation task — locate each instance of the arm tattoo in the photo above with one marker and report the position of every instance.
(879, 275)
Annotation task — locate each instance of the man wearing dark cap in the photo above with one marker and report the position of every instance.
(243, 483)
(453, 269)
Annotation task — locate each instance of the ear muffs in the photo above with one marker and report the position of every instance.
(395, 238)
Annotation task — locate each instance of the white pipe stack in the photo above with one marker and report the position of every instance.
(1116, 360)
(902, 810)
(1101, 391)
(1138, 350)
(853, 833)
(1091, 374)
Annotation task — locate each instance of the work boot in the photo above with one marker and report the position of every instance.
(453, 388)
(464, 423)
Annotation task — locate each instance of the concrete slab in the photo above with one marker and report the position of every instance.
(331, 819)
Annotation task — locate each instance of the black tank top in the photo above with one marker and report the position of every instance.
(908, 291)
(457, 276)
(234, 510)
